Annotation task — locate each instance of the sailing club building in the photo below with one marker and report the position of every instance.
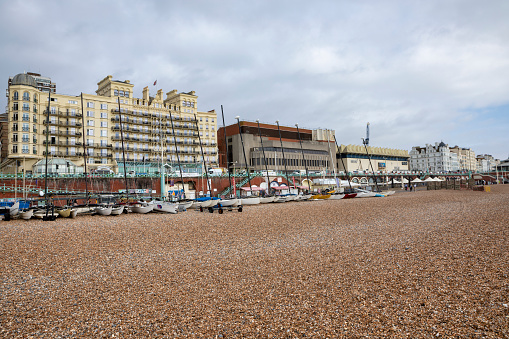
(317, 147)
(109, 123)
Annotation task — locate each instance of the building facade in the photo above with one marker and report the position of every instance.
(486, 163)
(355, 158)
(466, 158)
(317, 153)
(433, 158)
(102, 127)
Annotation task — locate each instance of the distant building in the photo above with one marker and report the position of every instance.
(486, 163)
(317, 149)
(354, 158)
(503, 166)
(433, 158)
(466, 158)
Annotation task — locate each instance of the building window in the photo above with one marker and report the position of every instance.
(26, 107)
(104, 106)
(90, 122)
(14, 148)
(104, 124)
(104, 133)
(15, 96)
(15, 106)
(26, 96)
(90, 132)
(126, 94)
(90, 104)
(90, 114)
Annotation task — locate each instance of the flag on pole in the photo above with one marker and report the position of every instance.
(155, 82)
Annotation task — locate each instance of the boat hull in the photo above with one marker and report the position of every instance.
(142, 209)
(104, 210)
(250, 201)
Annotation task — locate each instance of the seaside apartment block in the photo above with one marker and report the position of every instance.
(109, 116)
(434, 158)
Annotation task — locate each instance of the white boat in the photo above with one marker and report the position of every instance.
(389, 193)
(336, 196)
(41, 213)
(185, 204)
(266, 200)
(103, 210)
(305, 196)
(117, 210)
(25, 215)
(74, 213)
(280, 198)
(250, 201)
(228, 202)
(165, 207)
(142, 208)
(292, 197)
(14, 209)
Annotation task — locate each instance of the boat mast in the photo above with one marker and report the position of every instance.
(123, 148)
(84, 151)
(178, 157)
(343, 163)
(283, 151)
(264, 158)
(303, 159)
(365, 142)
(208, 185)
(46, 167)
(331, 158)
(162, 183)
(244, 151)
(226, 145)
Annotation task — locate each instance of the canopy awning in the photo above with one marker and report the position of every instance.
(281, 188)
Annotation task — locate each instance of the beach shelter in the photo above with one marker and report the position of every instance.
(429, 179)
(417, 180)
(404, 181)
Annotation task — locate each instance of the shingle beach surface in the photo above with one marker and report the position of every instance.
(414, 265)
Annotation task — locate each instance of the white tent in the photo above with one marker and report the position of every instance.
(417, 180)
(437, 179)
(405, 181)
(429, 179)
(397, 182)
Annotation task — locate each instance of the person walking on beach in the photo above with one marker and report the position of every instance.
(415, 187)
(410, 187)
(406, 187)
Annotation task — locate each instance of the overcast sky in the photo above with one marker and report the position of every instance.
(419, 71)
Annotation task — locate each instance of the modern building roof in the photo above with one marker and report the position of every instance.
(24, 79)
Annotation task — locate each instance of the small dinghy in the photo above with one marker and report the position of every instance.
(228, 202)
(117, 210)
(185, 204)
(26, 215)
(165, 207)
(64, 212)
(103, 210)
(142, 208)
(250, 201)
(266, 200)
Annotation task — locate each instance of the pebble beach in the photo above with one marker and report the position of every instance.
(413, 265)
